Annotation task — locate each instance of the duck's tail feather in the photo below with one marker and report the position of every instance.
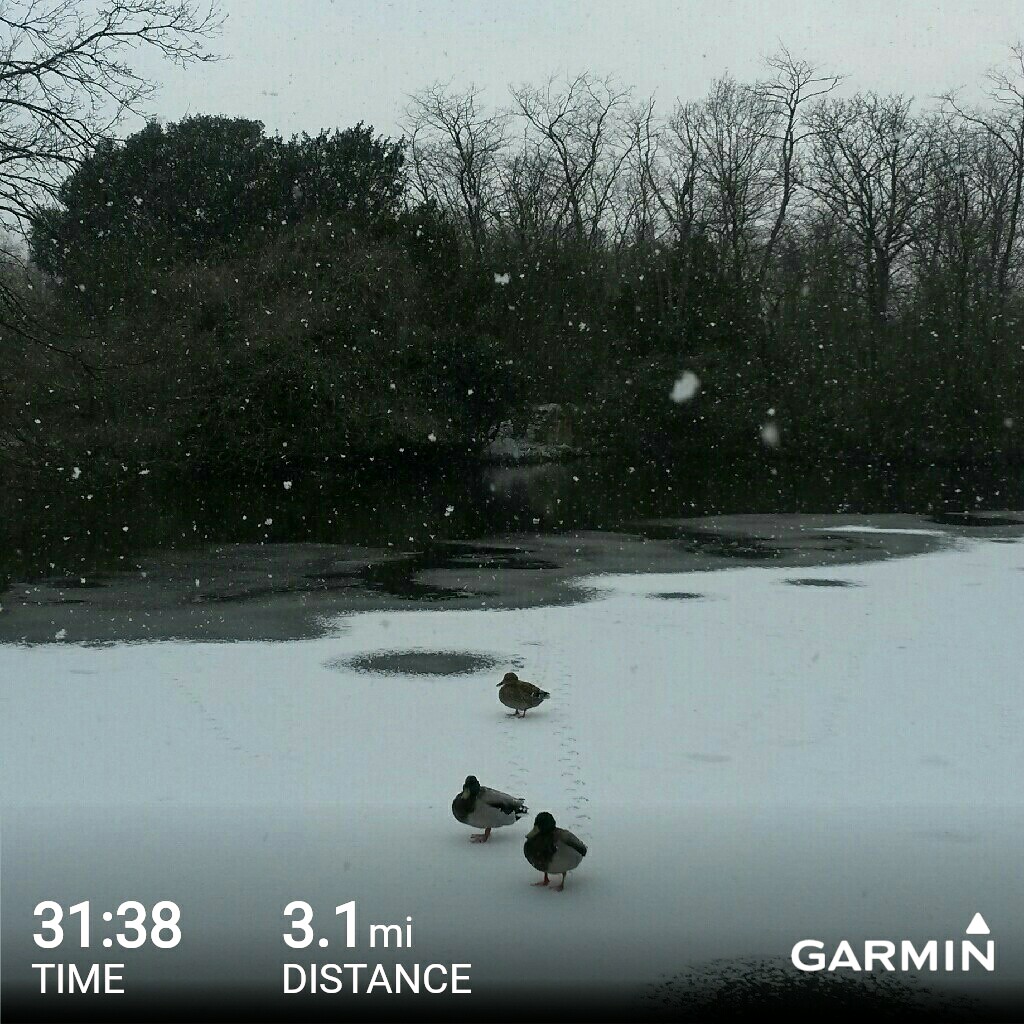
(517, 806)
(510, 805)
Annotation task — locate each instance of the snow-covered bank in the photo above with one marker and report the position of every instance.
(758, 764)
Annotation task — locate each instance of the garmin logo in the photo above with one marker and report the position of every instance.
(903, 955)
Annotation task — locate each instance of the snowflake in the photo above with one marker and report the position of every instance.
(685, 388)
(770, 434)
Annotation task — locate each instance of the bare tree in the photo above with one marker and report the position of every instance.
(672, 165)
(730, 162)
(583, 123)
(867, 168)
(1003, 122)
(963, 220)
(455, 150)
(634, 215)
(792, 85)
(530, 196)
(66, 82)
(736, 125)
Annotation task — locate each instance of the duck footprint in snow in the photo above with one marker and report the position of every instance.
(213, 723)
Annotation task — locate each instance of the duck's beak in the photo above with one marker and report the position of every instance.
(533, 832)
(465, 793)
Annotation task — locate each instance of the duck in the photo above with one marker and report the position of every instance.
(553, 850)
(480, 807)
(520, 695)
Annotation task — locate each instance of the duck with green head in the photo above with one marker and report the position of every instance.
(553, 850)
(481, 807)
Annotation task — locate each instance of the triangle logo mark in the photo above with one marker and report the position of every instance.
(978, 926)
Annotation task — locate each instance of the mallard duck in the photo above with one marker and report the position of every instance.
(552, 850)
(480, 807)
(519, 695)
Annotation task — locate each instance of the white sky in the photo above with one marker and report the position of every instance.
(310, 64)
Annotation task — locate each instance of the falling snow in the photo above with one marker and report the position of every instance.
(770, 434)
(685, 388)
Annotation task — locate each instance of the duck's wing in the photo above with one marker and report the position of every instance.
(502, 801)
(532, 691)
(572, 841)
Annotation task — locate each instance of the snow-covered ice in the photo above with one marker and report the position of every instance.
(753, 766)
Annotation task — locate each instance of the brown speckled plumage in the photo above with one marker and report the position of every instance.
(520, 695)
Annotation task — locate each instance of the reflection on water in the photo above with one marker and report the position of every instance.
(976, 519)
(400, 577)
(78, 531)
(750, 549)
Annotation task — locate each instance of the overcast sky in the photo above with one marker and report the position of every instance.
(309, 64)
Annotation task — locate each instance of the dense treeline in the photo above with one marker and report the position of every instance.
(836, 272)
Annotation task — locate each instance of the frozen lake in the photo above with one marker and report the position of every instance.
(820, 744)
